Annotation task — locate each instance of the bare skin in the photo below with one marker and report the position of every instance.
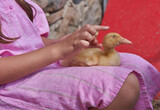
(16, 67)
(127, 96)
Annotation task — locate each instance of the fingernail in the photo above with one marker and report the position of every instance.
(107, 27)
(96, 34)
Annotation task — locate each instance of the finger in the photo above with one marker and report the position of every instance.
(96, 46)
(99, 45)
(95, 41)
(100, 28)
(90, 29)
(84, 44)
(87, 36)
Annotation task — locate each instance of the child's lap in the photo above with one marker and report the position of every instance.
(71, 87)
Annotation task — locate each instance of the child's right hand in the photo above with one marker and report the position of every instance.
(82, 38)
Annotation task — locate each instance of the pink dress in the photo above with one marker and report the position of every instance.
(65, 88)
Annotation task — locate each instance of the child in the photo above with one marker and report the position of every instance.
(31, 78)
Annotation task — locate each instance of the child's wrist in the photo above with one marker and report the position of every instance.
(65, 51)
(61, 50)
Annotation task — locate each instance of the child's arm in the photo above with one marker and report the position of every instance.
(16, 67)
(47, 41)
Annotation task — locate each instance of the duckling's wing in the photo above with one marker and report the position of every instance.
(91, 61)
(88, 57)
(81, 61)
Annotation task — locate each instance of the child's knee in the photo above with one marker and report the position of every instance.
(132, 88)
(127, 96)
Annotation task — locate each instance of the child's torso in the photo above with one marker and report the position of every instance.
(15, 23)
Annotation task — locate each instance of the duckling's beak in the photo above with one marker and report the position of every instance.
(124, 41)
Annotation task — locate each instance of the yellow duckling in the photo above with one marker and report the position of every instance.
(97, 57)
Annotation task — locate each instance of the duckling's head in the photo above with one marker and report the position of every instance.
(111, 40)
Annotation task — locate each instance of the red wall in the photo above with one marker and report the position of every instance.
(138, 21)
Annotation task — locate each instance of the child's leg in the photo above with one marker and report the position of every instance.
(127, 96)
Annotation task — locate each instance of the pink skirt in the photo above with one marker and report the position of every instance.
(78, 88)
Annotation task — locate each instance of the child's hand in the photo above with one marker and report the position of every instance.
(82, 38)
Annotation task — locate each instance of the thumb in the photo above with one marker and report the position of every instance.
(64, 37)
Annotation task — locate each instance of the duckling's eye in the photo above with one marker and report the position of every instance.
(114, 36)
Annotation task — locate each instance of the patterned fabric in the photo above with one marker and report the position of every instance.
(15, 23)
(65, 88)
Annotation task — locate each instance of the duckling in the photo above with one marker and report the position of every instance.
(98, 57)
